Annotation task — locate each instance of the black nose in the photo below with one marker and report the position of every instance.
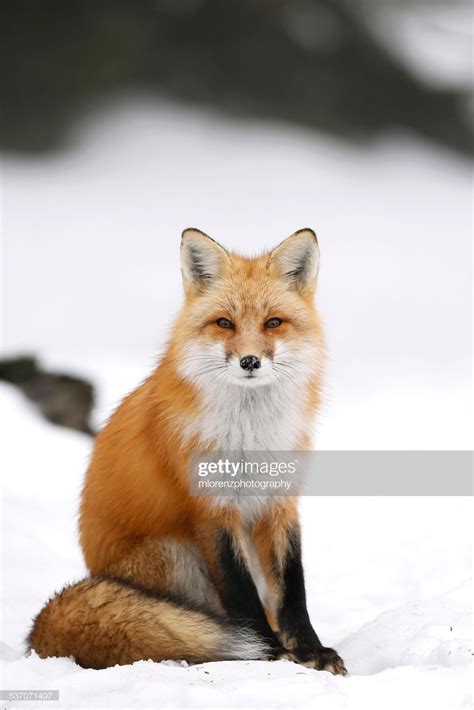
(250, 362)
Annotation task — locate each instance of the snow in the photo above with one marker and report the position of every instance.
(91, 247)
(247, 685)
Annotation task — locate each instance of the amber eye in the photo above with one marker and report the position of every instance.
(224, 323)
(273, 323)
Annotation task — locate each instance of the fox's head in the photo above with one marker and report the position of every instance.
(249, 321)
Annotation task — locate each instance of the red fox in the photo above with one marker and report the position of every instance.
(175, 576)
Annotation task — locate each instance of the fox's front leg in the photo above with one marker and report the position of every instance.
(278, 541)
(238, 594)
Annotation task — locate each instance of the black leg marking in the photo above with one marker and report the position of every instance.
(239, 594)
(296, 632)
(293, 618)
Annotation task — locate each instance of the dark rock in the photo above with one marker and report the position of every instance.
(62, 399)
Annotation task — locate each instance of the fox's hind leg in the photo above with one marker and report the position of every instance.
(167, 566)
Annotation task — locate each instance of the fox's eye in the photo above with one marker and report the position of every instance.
(224, 323)
(273, 323)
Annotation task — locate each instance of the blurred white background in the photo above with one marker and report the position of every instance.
(91, 269)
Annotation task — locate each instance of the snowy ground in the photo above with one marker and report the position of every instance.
(389, 587)
(91, 248)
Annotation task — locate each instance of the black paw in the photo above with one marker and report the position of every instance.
(323, 659)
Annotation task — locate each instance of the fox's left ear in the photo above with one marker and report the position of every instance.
(203, 261)
(296, 260)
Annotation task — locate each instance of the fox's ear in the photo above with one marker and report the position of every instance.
(296, 260)
(202, 259)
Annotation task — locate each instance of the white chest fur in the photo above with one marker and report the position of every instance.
(239, 417)
(268, 418)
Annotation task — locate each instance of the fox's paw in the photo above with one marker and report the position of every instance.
(323, 659)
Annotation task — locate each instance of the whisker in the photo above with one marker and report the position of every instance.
(282, 371)
(211, 368)
(287, 365)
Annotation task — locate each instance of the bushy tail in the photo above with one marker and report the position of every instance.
(102, 622)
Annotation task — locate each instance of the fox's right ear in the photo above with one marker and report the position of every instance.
(296, 260)
(202, 260)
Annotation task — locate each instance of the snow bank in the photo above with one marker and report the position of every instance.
(240, 685)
